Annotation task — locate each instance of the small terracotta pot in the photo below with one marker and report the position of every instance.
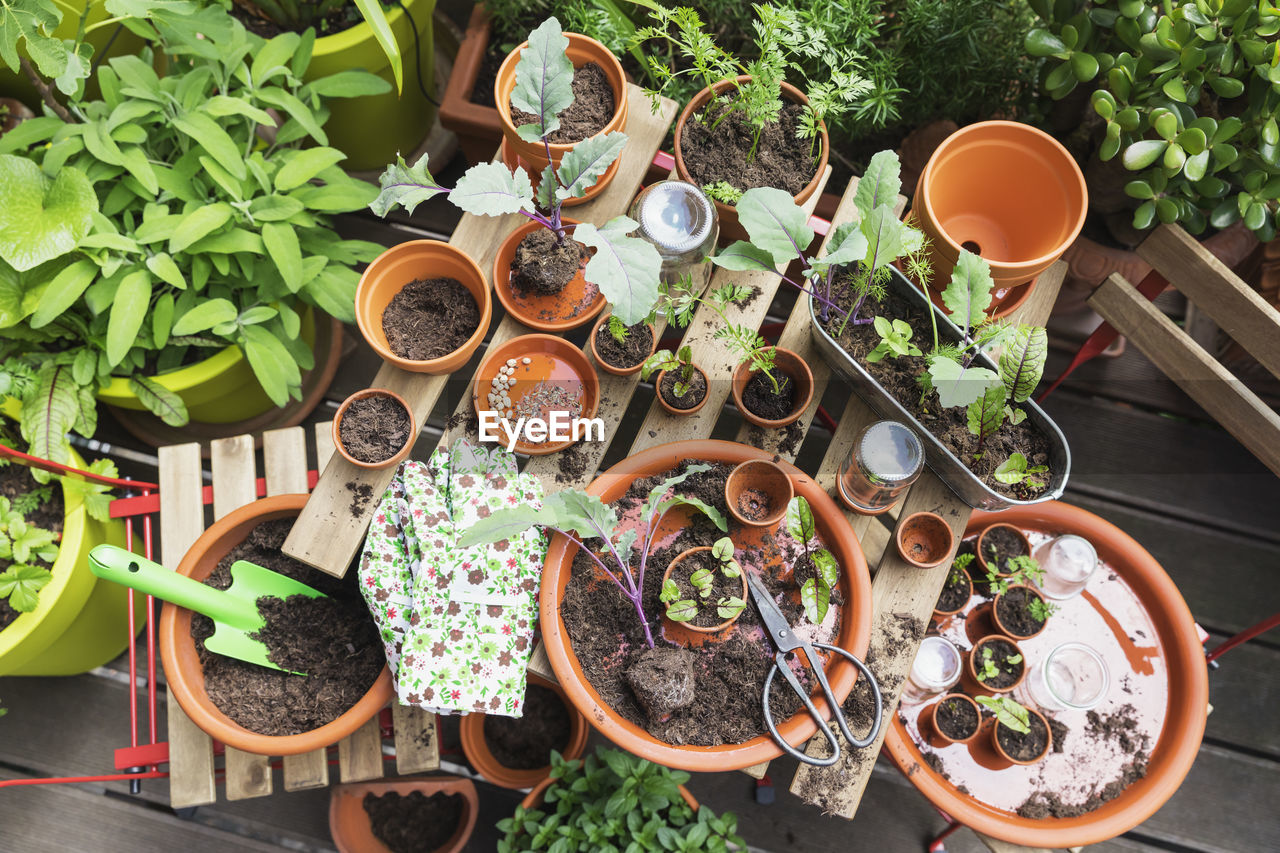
(487, 765)
(532, 309)
(534, 798)
(730, 229)
(975, 654)
(1001, 627)
(762, 476)
(1048, 742)
(349, 822)
(411, 261)
(698, 629)
(925, 539)
(390, 462)
(182, 667)
(977, 546)
(581, 51)
(609, 368)
(968, 583)
(936, 735)
(793, 366)
(706, 394)
(478, 128)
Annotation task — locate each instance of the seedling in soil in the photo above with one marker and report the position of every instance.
(815, 592)
(618, 329)
(723, 192)
(746, 342)
(1008, 712)
(895, 339)
(683, 609)
(579, 516)
(1023, 570)
(990, 669)
(1040, 609)
(680, 361)
(25, 545)
(1015, 470)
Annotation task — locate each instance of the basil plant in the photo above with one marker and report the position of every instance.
(179, 214)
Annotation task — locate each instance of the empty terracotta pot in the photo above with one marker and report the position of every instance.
(1005, 191)
(974, 658)
(995, 741)
(1000, 624)
(408, 262)
(793, 366)
(391, 461)
(576, 305)
(349, 822)
(675, 410)
(670, 624)
(925, 539)
(936, 735)
(609, 368)
(979, 547)
(581, 51)
(758, 492)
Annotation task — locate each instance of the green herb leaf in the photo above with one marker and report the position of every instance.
(682, 611)
(586, 162)
(199, 223)
(828, 568)
(879, 184)
(816, 598)
(407, 186)
(986, 413)
(301, 166)
(730, 607)
(742, 256)
(281, 243)
(21, 584)
(799, 520)
(968, 294)
(205, 315)
(957, 385)
(128, 310)
(1013, 470)
(159, 400)
(490, 189)
(42, 218)
(626, 269)
(1008, 713)
(1022, 361)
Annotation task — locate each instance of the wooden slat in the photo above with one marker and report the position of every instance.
(1226, 398)
(417, 742)
(327, 534)
(191, 779)
(234, 485)
(360, 753)
(324, 445)
(1217, 291)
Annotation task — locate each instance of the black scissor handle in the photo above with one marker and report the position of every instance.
(837, 713)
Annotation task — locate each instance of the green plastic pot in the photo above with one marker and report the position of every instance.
(221, 389)
(373, 129)
(80, 622)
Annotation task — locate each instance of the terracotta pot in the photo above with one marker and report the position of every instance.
(968, 583)
(925, 539)
(534, 798)
(706, 395)
(689, 626)
(486, 763)
(182, 663)
(1026, 544)
(408, 262)
(569, 357)
(1001, 627)
(581, 51)
(349, 822)
(533, 309)
(609, 368)
(1004, 190)
(1048, 744)
(478, 128)
(760, 475)
(730, 229)
(975, 654)
(391, 462)
(936, 735)
(793, 366)
(855, 614)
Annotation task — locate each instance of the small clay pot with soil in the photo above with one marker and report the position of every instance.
(694, 398)
(622, 358)
(955, 718)
(374, 428)
(707, 620)
(757, 400)
(515, 752)
(956, 592)
(999, 544)
(758, 492)
(1007, 658)
(414, 822)
(924, 539)
(1015, 614)
(425, 814)
(541, 281)
(1023, 748)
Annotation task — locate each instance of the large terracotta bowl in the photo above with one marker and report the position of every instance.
(182, 667)
(855, 616)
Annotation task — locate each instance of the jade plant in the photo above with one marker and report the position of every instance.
(580, 517)
(1189, 94)
(615, 801)
(1008, 712)
(703, 580)
(815, 592)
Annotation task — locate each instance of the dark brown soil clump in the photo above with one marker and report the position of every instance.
(430, 318)
(16, 482)
(415, 823)
(361, 494)
(761, 400)
(1059, 731)
(663, 680)
(1000, 546)
(1014, 610)
(526, 742)
(956, 718)
(692, 397)
(543, 266)
(591, 110)
(1024, 746)
(1043, 804)
(332, 639)
(1001, 652)
(373, 429)
(631, 352)
(721, 587)
(782, 159)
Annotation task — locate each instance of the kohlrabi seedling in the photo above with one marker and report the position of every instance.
(895, 340)
(815, 592)
(1008, 712)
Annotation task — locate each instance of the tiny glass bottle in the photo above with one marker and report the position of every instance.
(681, 222)
(935, 670)
(887, 458)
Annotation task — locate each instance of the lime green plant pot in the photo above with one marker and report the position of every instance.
(373, 129)
(81, 622)
(220, 389)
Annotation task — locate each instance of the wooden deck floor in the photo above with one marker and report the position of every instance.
(1145, 458)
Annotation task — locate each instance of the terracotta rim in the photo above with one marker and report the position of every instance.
(937, 731)
(689, 626)
(502, 286)
(854, 636)
(609, 368)
(182, 663)
(764, 475)
(1001, 627)
(486, 763)
(388, 272)
(926, 526)
(796, 368)
(657, 392)
(349, 822)
(534, 798)
(401, 454)
(977, 545)
(971, 668)
(1179, 742)
(995, 741)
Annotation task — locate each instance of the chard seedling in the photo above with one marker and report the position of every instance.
(815, 592)
(579, 516)
(990, 669)
(1015, 470)
(1008, 712)
(681, 361)
(1023, 569)
(702, 580)
(895, 339)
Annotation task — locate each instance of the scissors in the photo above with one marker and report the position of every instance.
(787, 642)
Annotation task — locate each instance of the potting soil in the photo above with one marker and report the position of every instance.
(591, 110)
(633, 350)
(526, 742)
(999, 546)
(1013, 610)
(956, 718)
(1028, 746)
(543, 266)
(414, 823)
(721, 587)
(1001, 651)
(781, 158)
(692, 397)
(954, 594)
(430, 318)
(374, 428)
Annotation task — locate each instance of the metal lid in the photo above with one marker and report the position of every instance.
(890, 452)
(675, 216)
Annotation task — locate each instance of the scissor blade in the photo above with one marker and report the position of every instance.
(771, 616)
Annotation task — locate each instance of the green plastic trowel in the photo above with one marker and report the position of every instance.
(234, 611)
